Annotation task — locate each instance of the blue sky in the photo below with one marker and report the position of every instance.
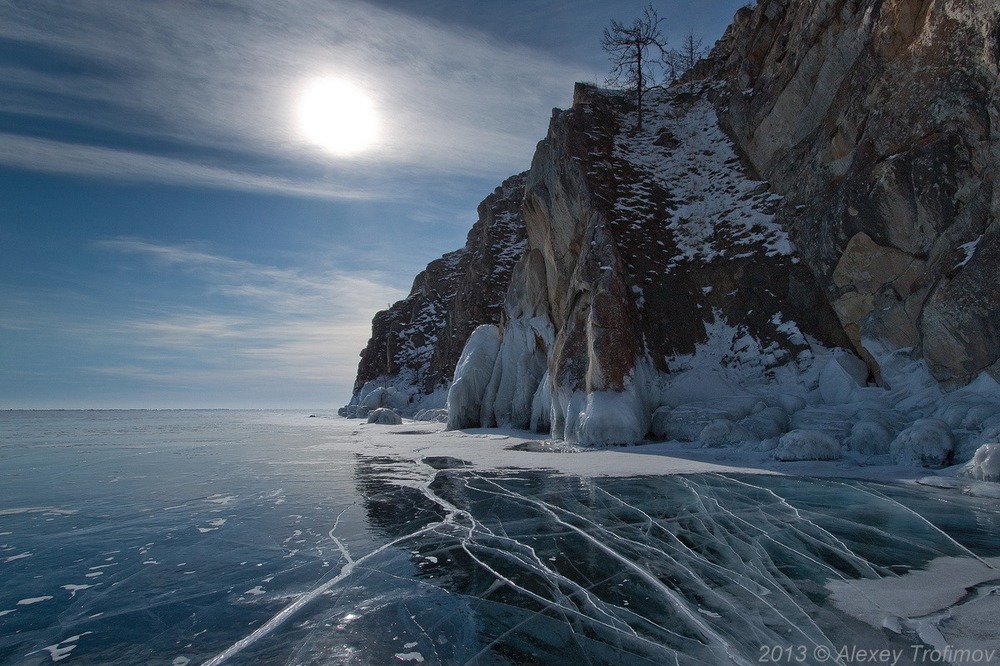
(170, 237)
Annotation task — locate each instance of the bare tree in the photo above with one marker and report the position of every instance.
(682, 60)
(635, 51)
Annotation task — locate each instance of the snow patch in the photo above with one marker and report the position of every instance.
(948, 604)
(970, 250)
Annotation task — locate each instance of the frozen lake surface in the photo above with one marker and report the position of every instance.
(177, 537)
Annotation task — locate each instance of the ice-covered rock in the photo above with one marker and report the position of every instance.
(436, 415)
(722, 432)
(353, 412)
(684, 423)
(603, 417)
(926, 443)
(985, 463)
(541, 406)
(807, 445)
(472, 378)
(519, 367)
(385, 396)
(870, 438)
(841, 377)
(766, 423)
(384, 416)
(815, 192)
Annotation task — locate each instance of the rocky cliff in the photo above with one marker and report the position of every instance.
(877, 121)
(416, 342)
(643, 248)
(796, 252)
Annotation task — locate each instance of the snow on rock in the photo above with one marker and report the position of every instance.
(384, 416)
(926, 443)
(807, 445)
(385, 396)
(718, 211)
(985, 463)
(417, 341)
(472, 378)
(841, 377)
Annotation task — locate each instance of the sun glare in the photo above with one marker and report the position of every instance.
(338, 116)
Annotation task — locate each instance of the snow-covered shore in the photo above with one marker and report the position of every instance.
(493, 449)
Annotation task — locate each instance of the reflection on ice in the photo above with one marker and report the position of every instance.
(531, 567)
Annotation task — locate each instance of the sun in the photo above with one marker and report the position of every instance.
(338, 116)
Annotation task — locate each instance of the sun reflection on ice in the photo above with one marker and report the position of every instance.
(338, 116)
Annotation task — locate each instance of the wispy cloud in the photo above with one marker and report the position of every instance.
(49, 156)
(244, 334)
(287, 291)
(190, 80)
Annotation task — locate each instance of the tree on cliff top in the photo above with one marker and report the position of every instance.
(680, 62)
(635, 51)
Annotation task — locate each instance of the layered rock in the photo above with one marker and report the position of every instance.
(417, 341)
(877, 120)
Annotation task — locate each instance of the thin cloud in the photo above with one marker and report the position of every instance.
(49, 156)
(225, 78)
(279, 290)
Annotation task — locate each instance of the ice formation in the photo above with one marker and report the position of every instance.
(516, 374)
(926, 443)
(807, 445)
(384, 416)
(473, 375)
(985, 463)
(646, 304)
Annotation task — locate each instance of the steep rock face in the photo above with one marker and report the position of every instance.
(877, 120)
(640, 246)
(417, 342)
(824, 181)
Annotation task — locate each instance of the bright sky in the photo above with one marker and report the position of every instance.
(175, 231)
